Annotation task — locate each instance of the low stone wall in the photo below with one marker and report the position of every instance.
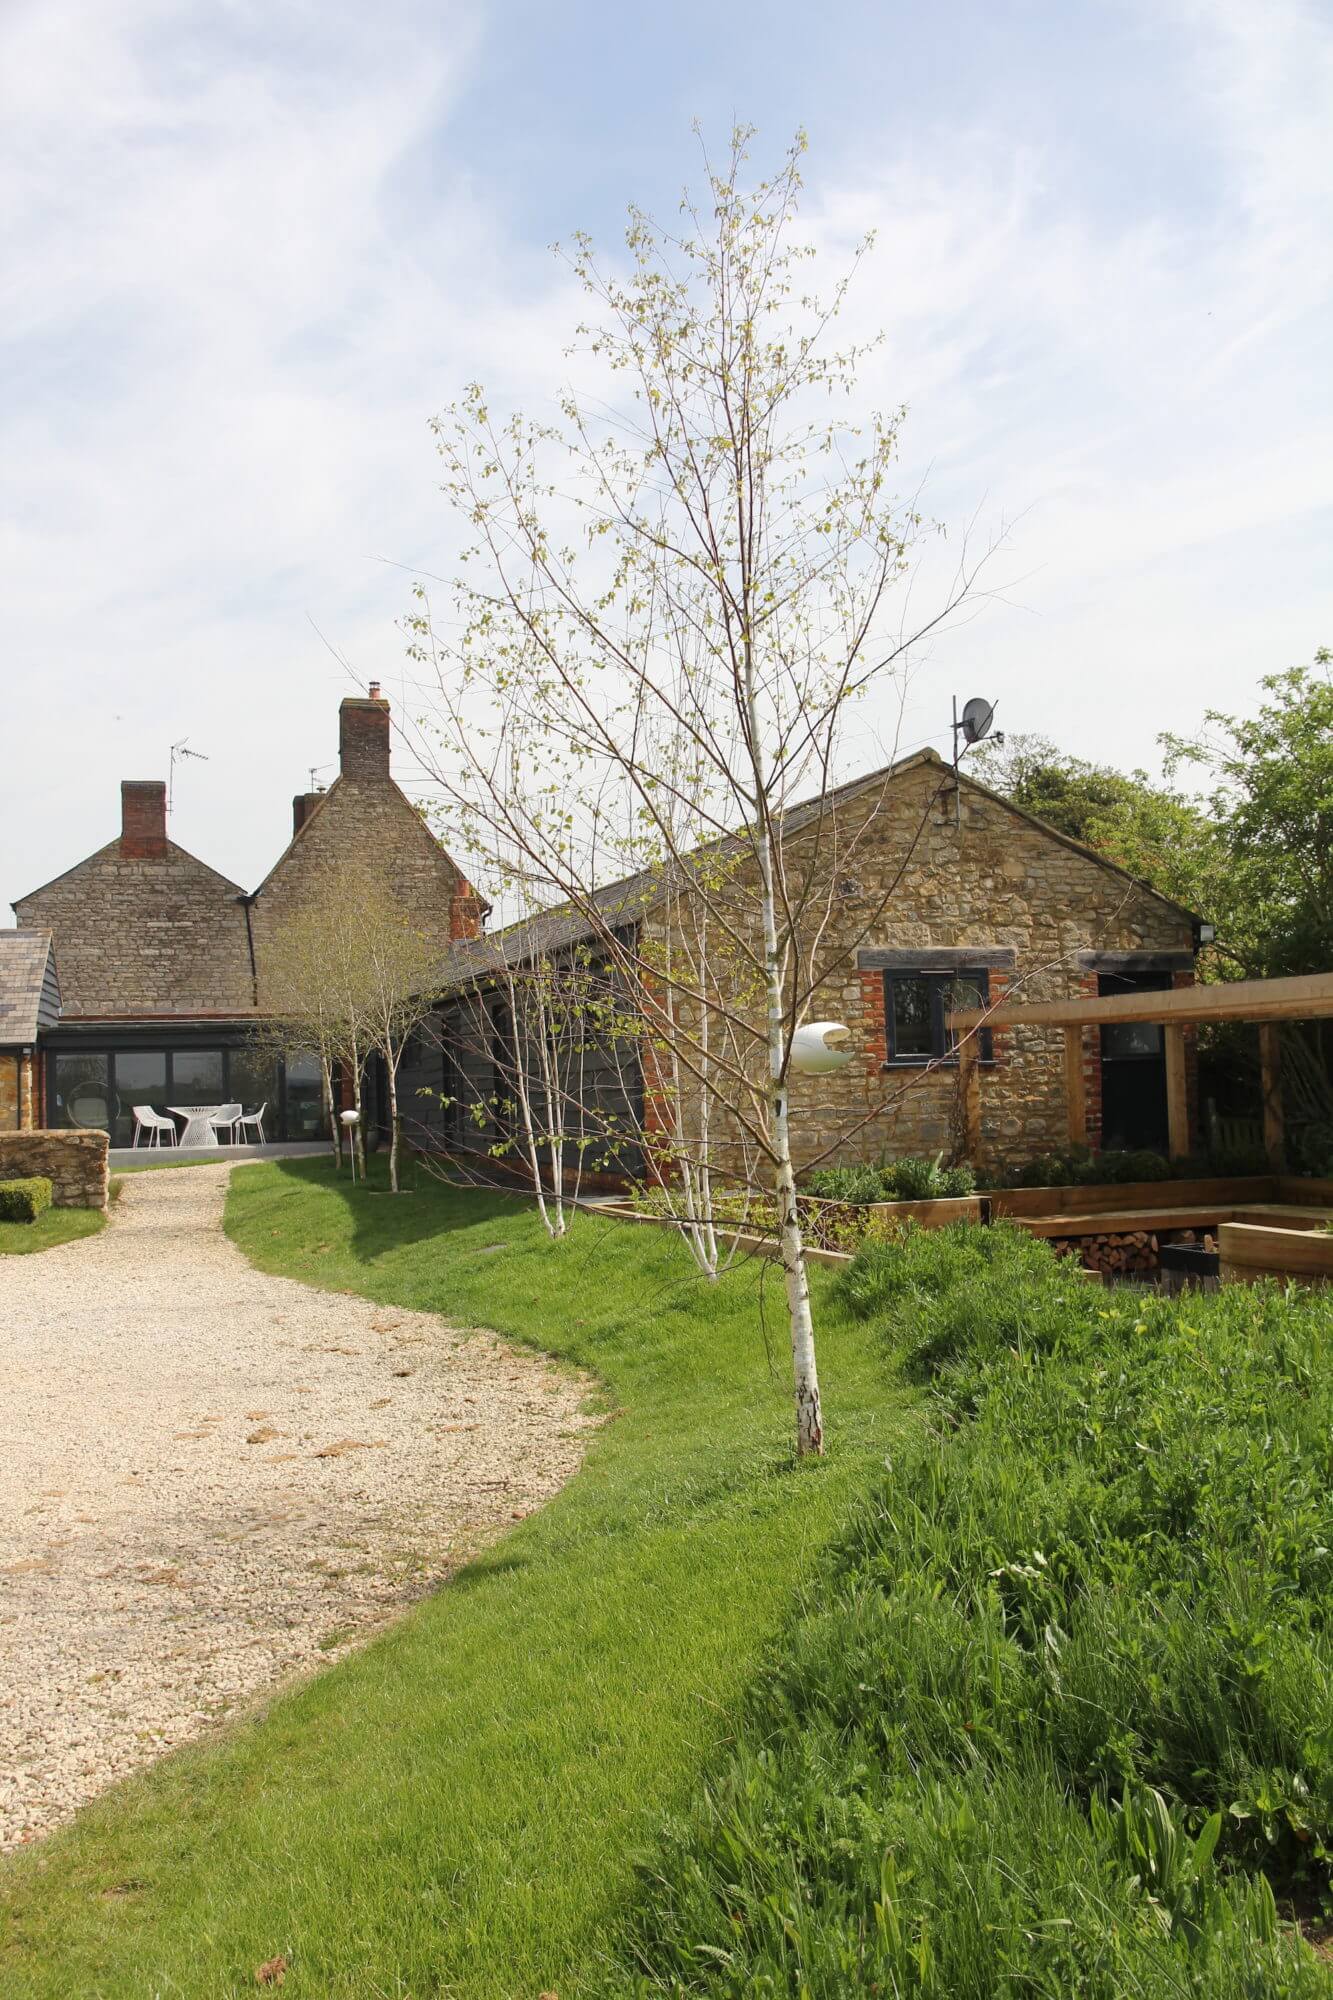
(75, 1163)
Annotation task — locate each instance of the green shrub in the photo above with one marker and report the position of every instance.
(910, 1179)
(855, 1184)
(24, 1200)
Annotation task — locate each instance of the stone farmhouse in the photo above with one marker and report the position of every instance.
(976, 895)
(156, 974)
(138, 976)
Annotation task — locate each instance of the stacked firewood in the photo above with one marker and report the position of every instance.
(1128, 1252)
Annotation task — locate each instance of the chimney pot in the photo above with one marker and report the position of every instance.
(374, 690)
(143, 819)
(302, 806)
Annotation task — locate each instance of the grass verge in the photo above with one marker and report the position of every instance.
(51, 1228)
(1062, 1722)
(455, 1809)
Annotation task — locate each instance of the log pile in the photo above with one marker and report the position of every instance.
(1130, 1253)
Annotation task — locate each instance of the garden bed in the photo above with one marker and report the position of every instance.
(1253, 1251)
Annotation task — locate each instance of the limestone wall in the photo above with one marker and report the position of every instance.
(75, 1163)
(910, 875)
(366, 818)
(17, 1077)
(145, 934)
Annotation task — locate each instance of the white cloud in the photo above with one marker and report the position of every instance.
(241, 263)
(227, 322)
(1147, 396)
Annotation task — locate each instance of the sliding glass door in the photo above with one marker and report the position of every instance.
(99, 1088)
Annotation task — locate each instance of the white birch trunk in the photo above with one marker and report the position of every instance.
(359, 1142)
(805, 1375)
(330, 1111)
(391, 1073)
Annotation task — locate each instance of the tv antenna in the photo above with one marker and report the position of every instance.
(315, 770)
(973, 726)
(178, 751)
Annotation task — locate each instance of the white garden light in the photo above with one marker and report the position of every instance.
(351, 1119)
(820, 1047)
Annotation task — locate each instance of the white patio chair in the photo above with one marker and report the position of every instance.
(254, 1119)
(225, 1119)
(154, 1124)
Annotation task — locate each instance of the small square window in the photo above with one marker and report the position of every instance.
(917, 1006)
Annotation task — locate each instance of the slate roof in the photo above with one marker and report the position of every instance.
(29, 990)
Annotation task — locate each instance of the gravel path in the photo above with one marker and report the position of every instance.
(210, 1479)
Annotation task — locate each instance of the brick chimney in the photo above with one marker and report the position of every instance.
(143, 819)
(302, 806)
(363, 736)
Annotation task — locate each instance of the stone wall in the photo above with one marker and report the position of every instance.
(912, 874)
(75, 1163)
(366, 818)
(145, 933)
(141, 928)
(18, 1090)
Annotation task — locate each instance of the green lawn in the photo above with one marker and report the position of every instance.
(53, 1226)
(457, 1809)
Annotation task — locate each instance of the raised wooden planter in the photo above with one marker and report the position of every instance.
(930, 1214)
(1250, 1251)
(1135, 1196)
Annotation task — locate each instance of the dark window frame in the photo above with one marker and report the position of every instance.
(939, 986)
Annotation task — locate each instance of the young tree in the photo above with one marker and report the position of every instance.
(301, 982)
(349, 976)
(390, 978)
(676, 602)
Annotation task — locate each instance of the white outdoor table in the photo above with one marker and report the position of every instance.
(196, 1130)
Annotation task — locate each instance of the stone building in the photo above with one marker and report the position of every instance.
(162, 959)
(29, 1008)
(939, 892)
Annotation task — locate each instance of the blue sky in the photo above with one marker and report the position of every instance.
(247, 250)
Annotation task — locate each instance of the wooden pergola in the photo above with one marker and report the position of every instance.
(1265, 1001)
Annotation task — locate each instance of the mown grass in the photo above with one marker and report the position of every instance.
(456, 1809)
(51, 1228)
(1063, 1722)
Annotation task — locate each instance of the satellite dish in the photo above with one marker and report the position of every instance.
(976, 719)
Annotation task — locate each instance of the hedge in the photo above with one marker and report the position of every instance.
(23, 1201)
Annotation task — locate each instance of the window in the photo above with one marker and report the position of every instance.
(252, 1082)
(82, 1088)
(304, 1093)
(140, 1078)
(916, 1007)
(196, 1076)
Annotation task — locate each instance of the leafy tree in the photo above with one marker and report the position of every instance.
(1271, 797)
(1253, 853)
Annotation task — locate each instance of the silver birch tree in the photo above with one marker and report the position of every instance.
(677, 595)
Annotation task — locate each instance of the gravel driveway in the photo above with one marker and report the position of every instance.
(210, 1479)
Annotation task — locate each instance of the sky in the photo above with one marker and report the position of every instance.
(248, 248)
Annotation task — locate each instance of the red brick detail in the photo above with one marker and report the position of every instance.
(363, 738)
(302, 806)
(876, 1033)
(465, 911)
(143, 819)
